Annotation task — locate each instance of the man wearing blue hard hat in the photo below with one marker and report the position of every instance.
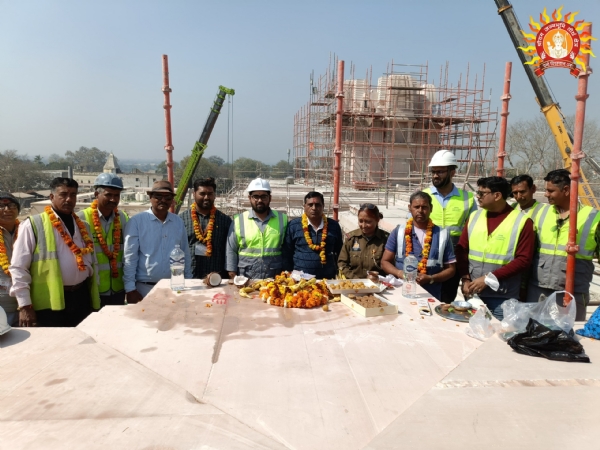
(107, 224)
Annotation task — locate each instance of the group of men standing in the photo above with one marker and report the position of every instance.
(504, 252)
(57, 267)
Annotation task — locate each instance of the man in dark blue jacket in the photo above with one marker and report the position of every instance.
(313, 242)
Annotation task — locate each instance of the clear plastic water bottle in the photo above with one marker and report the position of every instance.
(409, 288)
(177, 263)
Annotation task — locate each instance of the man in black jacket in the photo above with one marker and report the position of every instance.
(313, 242)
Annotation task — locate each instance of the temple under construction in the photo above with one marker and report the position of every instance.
(391, 129)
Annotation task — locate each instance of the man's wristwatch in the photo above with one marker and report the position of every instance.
(431, 280)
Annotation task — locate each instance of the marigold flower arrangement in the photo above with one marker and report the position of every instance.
(4, 262)
(204, 236)
(303, 294)
(316, 247)
(422, 266)
(112, 256)
(78, 252)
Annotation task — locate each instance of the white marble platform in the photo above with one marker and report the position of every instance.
(179, 371)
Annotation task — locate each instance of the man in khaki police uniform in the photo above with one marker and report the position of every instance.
(108, 224)
(451, 208)
(550, 258)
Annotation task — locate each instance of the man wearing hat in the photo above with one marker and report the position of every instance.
(53, 265)
(9, 210)
(150, 236)
(256, 236)
(107, 224)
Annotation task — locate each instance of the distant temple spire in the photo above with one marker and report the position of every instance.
(111, 166)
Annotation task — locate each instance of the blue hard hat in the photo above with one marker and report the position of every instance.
(108, 180)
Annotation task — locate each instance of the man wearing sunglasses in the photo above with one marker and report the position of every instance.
(550, 258)
(452, 207)
(495, 247)
(9, 211)
(256, 236)
(150, 236)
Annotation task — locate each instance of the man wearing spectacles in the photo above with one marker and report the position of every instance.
(303, 246)
(255, 237)
(150, 237)
(495, 247)
(452, 207)
(550, 256)
(9, 210)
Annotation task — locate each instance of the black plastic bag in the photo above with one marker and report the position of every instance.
(539, 340)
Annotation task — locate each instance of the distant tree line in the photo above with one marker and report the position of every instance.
(215, 166)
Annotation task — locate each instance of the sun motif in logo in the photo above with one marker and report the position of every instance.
(558, 43)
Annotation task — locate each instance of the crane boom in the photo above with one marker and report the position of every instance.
(200, 146)
(549, 107)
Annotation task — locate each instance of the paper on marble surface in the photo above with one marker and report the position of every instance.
(391, 279)
(299, 275)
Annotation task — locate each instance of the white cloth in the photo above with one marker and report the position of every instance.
(23, 253)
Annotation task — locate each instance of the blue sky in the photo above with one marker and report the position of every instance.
(88, 73)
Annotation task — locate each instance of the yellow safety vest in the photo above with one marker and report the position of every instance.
(46, 288)
(260, 252)
(553, 239)
(490, 252)
(454, 215)
(107, 282)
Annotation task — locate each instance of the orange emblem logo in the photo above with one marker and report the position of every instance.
(558, 43)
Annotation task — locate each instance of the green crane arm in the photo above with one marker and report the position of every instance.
(200, 146)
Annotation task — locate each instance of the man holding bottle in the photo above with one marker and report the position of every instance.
(150, 237)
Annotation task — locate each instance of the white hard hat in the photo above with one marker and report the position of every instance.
(259, 185)
(4, 326)
(443, 158)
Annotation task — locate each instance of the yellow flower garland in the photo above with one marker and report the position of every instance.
(422, 267)
(204, 236)
(316, 247)
(78, 252)
(112, 256)
(4, 262)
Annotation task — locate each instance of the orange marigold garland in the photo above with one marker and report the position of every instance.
(422, 267)
(112, 256)
(4, 262)
(316, 247)
(78, 252)
(204, 236)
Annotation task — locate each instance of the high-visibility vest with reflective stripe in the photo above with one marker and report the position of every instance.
(259, 254)
(107, 282)
(454, 215)
(534, 211)
(490, 252)
(553, 239)
(46, 287)
(436, 264)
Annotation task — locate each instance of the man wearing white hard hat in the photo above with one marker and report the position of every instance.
(107, 224)
(451, 207)
(256, 236)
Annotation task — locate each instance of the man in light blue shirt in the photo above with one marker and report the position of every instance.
(150, 236)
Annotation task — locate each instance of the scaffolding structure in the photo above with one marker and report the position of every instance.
(391, 129)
